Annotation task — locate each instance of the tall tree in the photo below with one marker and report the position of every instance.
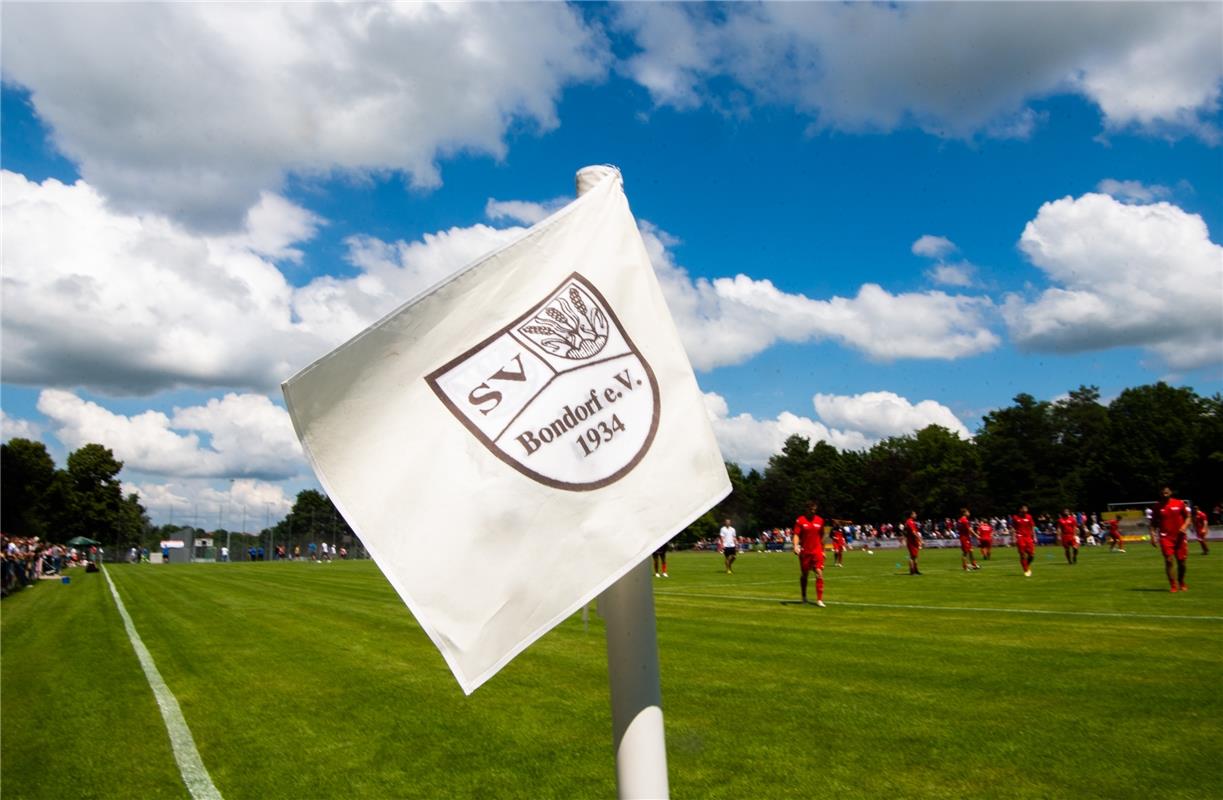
(1019, 456)
(1083, 433)
(94, 474)
(26, 474)
(1155, 435)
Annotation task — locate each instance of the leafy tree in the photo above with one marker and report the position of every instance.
(94, 472)
(946, 474)
(1084, 434)
(1019, 456)
(1155, 436)
(26, 474)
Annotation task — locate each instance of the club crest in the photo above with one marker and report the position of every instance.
(561, 394)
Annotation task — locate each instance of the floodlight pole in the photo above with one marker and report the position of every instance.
(627, 607)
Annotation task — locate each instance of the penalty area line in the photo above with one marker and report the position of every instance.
(190, 765)
(972, 609)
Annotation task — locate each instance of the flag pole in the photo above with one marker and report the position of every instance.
(627, 608)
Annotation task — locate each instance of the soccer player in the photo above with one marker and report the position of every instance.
(660, 561)
(1201, 528)
(1068, 527)
(809, 547)
(1169, 524)
(838, 546)
(985, 538)
(913, 541)
(1115, 542)
(963, 527)
(1025, 539)
(730, 546)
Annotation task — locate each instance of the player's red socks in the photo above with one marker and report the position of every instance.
(819, 588)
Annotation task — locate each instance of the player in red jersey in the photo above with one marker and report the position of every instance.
(985, 538)
(963, 526)
(1169, 532)
(913, 541)
(838, 546)
(809, 547)
(1025, 539)
(1201, 528)
(1068, 528)
(1115, 541)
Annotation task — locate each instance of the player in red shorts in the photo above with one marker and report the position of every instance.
(1115, 542)
(985, 538)
(809, 547)
(1169, 532)
(838, 546)
(1068, 528)
(1201, 528)
(963, 526)
(1025, 539)
(913, 541)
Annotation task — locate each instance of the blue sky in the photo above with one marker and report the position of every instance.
(865, 218)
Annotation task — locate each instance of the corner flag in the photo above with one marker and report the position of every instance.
(514, 440)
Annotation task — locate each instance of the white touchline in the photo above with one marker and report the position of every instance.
(702, 595)
(190, 765)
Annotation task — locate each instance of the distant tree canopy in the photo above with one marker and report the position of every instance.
(85, 499)
(314, 518)
(1073, 452)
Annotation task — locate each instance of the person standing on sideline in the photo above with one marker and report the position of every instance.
(809, 547)
(1115, 542)
(1201, 528)
(730, 546)
(1025, 539)
(913, 541)
(963, 527)
(1169, 532)
(985, 538)
(1068, 527)
(660, 561)
(838, 547)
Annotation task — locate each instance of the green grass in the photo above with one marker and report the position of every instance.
(312, 681)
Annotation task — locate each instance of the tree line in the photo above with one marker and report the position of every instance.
(1074, 452)
(82, 499)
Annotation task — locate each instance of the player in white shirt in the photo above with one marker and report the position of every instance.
(730, 546)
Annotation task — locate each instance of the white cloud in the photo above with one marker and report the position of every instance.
(243, 505)
(248, 436)
(521, 210)
(16, 428)
(883, 414)
(847, 422)
(1122, 275)
(932, 246)
(960, 274)
(134, 303)
(1135, 191)
(952, 69)
(729, 320)
(193, 109)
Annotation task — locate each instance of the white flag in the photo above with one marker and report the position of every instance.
(510, 443)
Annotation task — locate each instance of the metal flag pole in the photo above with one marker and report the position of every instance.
(627, 608)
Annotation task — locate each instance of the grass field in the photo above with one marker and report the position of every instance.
(301, 680)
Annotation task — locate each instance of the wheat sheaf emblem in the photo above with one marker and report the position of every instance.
(571, 326)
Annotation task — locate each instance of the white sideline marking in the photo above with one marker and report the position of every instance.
(190, 765)
(1122, 614)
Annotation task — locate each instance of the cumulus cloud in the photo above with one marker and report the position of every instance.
(952, 69)
(193, 109)
(129, 303)
(247, 435)
(16, 428)
(243, 505)
(932, 246)
(729, 320)
(960, 274)
(883, 414)
(1135, 191)
(1122, 275)
(847, 422)
(522, 211)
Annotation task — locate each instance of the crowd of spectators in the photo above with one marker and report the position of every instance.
(29, 559)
